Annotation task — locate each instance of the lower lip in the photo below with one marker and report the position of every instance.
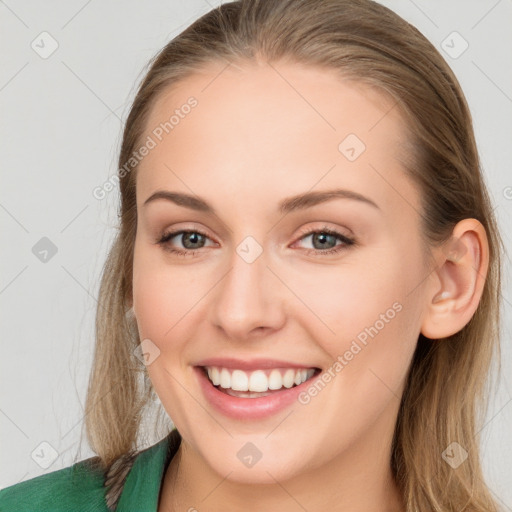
(249, 408)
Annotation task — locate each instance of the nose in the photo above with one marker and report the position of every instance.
(249, 300)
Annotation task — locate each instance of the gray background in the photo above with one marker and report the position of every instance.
(60, 132)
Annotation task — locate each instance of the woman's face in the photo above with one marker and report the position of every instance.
(256, 284)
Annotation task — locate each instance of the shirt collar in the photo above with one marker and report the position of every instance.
(143, 483)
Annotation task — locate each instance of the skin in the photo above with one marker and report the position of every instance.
(253, 140)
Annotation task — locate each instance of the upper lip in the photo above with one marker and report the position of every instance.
(253, 364)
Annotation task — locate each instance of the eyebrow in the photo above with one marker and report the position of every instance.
(288, 205)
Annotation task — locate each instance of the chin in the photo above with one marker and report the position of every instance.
(265, 470)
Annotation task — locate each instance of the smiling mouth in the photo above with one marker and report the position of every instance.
(258, 383)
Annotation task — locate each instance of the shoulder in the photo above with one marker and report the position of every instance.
(78, 487)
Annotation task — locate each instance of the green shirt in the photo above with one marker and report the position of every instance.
(80, 487)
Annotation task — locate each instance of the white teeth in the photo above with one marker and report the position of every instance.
(225, 378)
(258, 381)
(275, 381)
(288, 378)
(239, 381)
(214, 375)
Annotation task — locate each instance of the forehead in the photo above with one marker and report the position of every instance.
(262, 128)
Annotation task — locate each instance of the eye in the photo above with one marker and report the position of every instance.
(324, 241)
(191, 239)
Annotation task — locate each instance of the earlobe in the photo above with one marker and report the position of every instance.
(455, 287)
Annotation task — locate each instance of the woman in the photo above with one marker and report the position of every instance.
(307, 274)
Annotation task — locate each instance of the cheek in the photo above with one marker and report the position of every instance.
(367, 321)
(344, 299)
(166, 299)
(155, 294)
(153, 302)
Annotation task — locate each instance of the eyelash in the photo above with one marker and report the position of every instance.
(347, 241)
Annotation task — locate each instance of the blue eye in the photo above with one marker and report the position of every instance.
(325, 237)
(195, 240)
(187, 236)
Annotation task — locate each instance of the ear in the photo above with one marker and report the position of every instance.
(455, 287)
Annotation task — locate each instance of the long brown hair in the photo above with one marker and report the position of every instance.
(444, 397)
